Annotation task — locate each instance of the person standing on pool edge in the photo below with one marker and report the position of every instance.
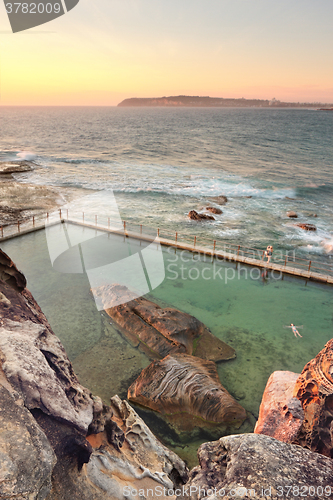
(269, 253)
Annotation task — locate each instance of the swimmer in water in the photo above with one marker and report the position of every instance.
(294, 329)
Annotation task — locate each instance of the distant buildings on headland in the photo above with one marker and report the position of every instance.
(217, 102)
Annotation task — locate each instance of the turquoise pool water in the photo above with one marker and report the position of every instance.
(238, 305)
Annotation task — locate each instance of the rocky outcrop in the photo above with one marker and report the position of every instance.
(314, 389)
(281, 414)
(214, 210)
(193, 215)
(26, 456)
(307, 227)
(257, 466)
(188, 391)
(10, 275)
(161, 331)
(14, 167)
(292, 215)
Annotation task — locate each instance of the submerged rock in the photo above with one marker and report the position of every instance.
(292, 215)
(214, 210)
(193, 215)
(161, 331)
(220, 200)
(280, 414)
(188, 391)
(258, 466)
(307, 227)
(314, 389)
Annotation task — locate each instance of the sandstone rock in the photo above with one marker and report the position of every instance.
(280, 414)
(292, 215)
(258, 466)
(314, 389)
(307, 227)
(188, 391)
(220, 200)
(161, 331)
(142, 463)
(214, 210)
(26, 457)
(12, 167)
(10, 274)
(193, 215)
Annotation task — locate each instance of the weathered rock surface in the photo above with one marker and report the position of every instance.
(281, 414)
(193, 215)
(188, 391)
(307, 227)
(314, 389)
(35, 362)
(141, 463)
(220, 200)
(214, 210)
(26, 457)
(258, 466)
(10, 274)
(292, 215)
(161, 331)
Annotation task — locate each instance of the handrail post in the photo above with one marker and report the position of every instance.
(238, 250)
(140, 228)
(286, 260)
(124, 225)
(33, 221)
(263, 255)
(60, 212)
(1, 231)
(176, 237)
(47, 216)
(18, 225)
(195, 240)
(158, 232)
(214, 246)
(309, 266)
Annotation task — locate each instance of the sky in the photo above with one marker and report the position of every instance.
(104, 51)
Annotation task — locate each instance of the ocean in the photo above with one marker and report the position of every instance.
(163, 162)
(160, 164)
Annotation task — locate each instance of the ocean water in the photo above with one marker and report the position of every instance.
(161, 163)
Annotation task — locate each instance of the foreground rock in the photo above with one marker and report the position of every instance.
(281, 414)
(257, 466)
(15, 167)
(214, 210)
(314, 389)
(307, 227)
(188, 391)
(26, 457)
(193, 215)
(161, 331)
(10, 275)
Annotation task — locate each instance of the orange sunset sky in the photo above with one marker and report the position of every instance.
(104, 51)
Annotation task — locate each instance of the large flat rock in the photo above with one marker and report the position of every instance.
(161, 331)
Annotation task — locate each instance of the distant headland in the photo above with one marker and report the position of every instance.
(216, 102)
